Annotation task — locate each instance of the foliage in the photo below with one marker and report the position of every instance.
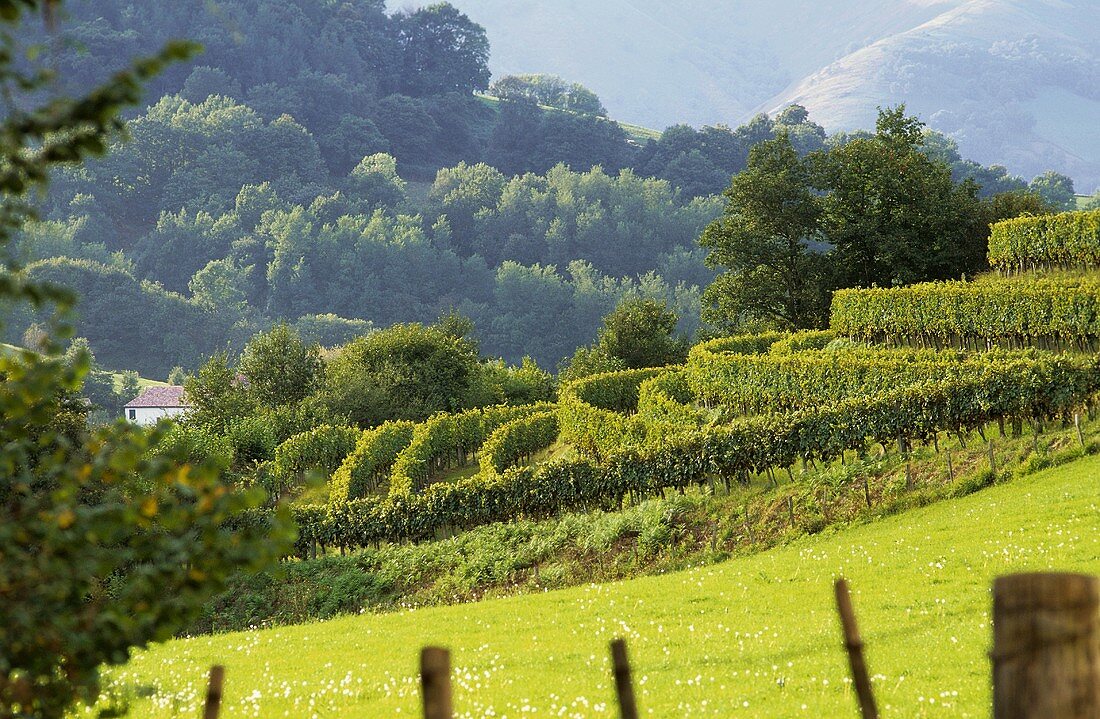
(446, 441)
(105, 545)
(502, 384)
(1056, 189)
(129, 323)
(442, 51)
(1038, 387)
(587, 361)
(594, 411)
(159, 546)
(412, 372)
(216, 395)
(329, 330)
(892, 214)
(550, 91)
(105, 400)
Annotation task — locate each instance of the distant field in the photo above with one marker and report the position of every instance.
(755, 636)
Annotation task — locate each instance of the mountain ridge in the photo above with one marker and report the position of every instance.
(1012, 81)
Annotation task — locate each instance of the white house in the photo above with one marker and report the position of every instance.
(155, 403)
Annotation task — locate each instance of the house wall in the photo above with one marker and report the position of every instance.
(146, 416)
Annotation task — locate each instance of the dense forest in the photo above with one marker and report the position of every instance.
(339, 168)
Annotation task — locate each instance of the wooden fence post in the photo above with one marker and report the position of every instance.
(435, 682)
(1046, 646)
(1077, 424)
(854, 645)
(624, 687)
(214, 692)
(992, 459)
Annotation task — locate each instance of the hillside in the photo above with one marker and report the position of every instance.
(1028, 87)
(757, 632)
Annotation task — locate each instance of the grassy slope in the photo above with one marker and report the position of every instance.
(754, 636)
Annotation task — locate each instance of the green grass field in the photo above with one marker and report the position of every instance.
(756, 636)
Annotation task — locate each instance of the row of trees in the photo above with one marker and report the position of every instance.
(535, 260)
(876, 210)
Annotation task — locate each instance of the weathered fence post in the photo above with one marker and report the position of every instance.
(624, 687)
(1077, 425)
(854, 645)
(1046, 646)
(214, 692)
(992, 459)
(435, 682)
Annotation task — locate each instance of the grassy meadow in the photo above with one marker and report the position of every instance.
(756, 636)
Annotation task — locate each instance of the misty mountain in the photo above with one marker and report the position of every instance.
(1015, 82)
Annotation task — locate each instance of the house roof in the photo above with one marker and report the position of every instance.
(160, 396)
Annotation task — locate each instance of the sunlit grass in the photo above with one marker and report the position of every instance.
(755, 636)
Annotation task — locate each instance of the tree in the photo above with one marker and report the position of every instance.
(352, 138)
(375, 182)
(221, 286)
(442, 51)
(216, 396)
(206, 81)
(892, 214)
(280, 368)
(408, 126)
(407, 371)
(587, 361)
(1056, 189)
(641, 333)
(463, 192)
(771, 276)
(105, 545)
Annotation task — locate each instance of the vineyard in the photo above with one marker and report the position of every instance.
(899, 368)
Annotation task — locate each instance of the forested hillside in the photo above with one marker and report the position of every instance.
(335, 167)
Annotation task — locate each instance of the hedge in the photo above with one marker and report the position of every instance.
(1066, 240)
(517, 440)
(1038, 388)
(1017, 312)
(369, 464)
(449, 440)
(322, 449)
